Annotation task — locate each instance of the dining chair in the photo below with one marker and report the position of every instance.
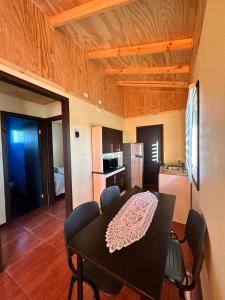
(109, 196)
(175, 271)
(95, 277)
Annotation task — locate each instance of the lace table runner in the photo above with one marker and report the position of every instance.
(132, 221)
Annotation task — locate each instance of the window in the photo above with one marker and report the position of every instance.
(192, 135)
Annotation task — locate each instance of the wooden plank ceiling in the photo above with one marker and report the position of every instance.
(146, 43)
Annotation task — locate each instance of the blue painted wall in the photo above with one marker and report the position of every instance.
(16, 155)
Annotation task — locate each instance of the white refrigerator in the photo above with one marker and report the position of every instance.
(133, 158)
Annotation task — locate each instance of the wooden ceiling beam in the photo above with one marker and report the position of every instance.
(85, 10)
(147, 71)
(148, 83)
(161, 47)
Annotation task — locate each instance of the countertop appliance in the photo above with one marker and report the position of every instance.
(110, 164)
(133, 159)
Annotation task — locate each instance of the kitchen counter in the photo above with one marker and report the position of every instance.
(176, 183)
(112, 172)
(174, 172)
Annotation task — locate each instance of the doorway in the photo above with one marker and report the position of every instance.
(152, 138)
(24, 164)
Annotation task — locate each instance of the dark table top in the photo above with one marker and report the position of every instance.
(141, 265)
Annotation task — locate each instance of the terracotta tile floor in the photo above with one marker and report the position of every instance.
(36, 266)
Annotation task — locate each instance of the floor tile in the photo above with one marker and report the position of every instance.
(49, 228)
(9, 290)
(21, 244)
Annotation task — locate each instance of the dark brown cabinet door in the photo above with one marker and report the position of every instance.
(111, 181)
(112, 140)
(120, 181)
(107, 140)
(117, 179)
(118, 140)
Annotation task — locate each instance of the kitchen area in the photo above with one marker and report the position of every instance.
(122, 164)
(113, 162)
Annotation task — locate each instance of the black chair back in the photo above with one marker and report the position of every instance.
(195, 232)
(80, 217)
(109, 196)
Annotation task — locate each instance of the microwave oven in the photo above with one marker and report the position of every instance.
(110, 164)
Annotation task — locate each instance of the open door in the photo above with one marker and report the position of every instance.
(32, 165)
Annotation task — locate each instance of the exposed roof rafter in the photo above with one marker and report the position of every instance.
(174, 45)
(149, 83)
(149, 70)
(86, 10)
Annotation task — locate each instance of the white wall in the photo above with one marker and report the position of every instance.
(210, 200)
(174, 132)
(57, 143)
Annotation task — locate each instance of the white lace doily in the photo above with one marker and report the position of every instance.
(132, 221)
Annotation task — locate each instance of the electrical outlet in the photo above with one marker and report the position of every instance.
(85, 94)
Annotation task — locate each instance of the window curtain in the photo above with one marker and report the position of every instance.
(189, 115)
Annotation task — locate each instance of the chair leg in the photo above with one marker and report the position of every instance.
(94, 288)
(72, 281)
(181, 294)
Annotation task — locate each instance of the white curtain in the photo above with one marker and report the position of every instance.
(189, 115)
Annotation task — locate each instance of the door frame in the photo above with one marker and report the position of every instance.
(161, 126)
(8, 78)
(51, 155)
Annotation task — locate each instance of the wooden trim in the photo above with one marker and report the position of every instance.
(85, 10)
(5, 168)
(49, 142)
(167, 46)
(55, 118)
(146, 71)
(148, 83)
(1, 259)
(67, 156)
(8, 78)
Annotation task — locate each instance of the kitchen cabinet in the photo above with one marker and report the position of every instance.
(112, 140)
(117, 179)
(105, 140)
(102, 181)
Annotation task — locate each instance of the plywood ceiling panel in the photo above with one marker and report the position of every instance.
(144, 21)
(141, 22)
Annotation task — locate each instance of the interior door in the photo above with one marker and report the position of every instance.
(33, 165)
(152, 138)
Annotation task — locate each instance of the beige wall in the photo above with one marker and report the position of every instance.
(57, 143)
(82, 117)
(174, 132)
(210, 70)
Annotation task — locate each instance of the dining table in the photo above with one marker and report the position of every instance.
(141, 265)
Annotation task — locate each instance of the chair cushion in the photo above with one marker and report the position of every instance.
(102, 280)
(175, 268)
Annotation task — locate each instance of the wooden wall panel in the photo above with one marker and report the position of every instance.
(142, 102)
(27, 41)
